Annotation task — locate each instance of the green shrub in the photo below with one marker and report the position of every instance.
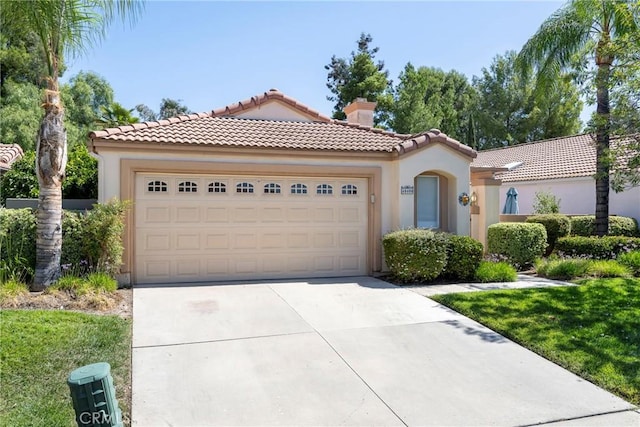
(607, 268)
(415, 255)
(496, 272)
(584, 225)
(631, 260)
(17, 244)
(90, 242)
(556, 225)
(563, 269)
(521, 243)
(102, 282)
(546, 203)
(463, 257)
(607, 247)
(102, 236)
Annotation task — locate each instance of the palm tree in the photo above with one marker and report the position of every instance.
(579, 29)
(62, 27)
(115, 115)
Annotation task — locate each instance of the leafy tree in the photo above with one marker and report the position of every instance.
(168, 108)
(546, 203)
(427, 98)
(115, 115)
(20, 55)
(585, 29)
(84, 98)
(21, 113)
(81, 178)
(62, 27)
(510, 111)
(360, 76)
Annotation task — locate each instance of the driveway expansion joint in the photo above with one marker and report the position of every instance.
(583, 417)
(221, 340)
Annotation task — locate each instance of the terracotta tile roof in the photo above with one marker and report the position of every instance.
(272, 94)
(563, 157)
(9, 153)
(221, 128)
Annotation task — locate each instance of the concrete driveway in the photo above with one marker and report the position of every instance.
(355, 351)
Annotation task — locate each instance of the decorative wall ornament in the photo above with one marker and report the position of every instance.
(464, 199)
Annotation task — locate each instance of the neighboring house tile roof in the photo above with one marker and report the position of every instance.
(557, 158)
(220, 128)
(9, 154)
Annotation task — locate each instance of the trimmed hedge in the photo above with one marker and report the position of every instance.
(520, 242)
(606, 247)
(584, 225)
(557, 226)
(415, 255)
(91, 241)
(463, 257)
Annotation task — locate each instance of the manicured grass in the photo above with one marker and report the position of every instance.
(593, 329)
(40, 348)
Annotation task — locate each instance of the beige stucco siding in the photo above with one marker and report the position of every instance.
(440, 160)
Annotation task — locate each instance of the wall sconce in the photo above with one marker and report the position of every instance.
(474, 199)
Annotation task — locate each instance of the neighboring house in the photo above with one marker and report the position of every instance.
(562, 166)
(9, 154)
(269, 188)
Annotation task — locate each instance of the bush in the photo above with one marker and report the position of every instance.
(632, 261)
(607, 247)
(556, 225)
(584, 225)
(17, 244)
(546, 203)
(563, 269)
(90, 241)
(415, 255)
(520, 243)
(102, 236)
(496, 272)
(463, 257)
(607, 268)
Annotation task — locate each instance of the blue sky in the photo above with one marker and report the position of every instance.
(209, 54)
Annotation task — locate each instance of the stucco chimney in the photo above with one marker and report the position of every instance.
(360, 111)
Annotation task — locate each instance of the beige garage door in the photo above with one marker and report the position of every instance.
(191, 228)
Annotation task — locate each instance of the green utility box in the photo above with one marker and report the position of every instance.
(94, 396)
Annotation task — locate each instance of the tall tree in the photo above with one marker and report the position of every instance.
(62, 27)
(510, 111)
(585, 28)
(169, 107)
(360, 76)
(427, 98)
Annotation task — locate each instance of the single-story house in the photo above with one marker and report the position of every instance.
(9, 154)
(562, 166)
(269, 188)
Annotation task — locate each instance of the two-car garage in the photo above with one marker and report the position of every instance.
(201, 227)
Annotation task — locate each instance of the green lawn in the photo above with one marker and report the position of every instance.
(593, 329)
(38, 350)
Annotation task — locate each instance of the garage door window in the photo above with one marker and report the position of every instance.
(427, 202)
(244, 187)
(324, 189)
(272, 188)
(157, 187)
(349, 190)
(217, 187)
(298, 189)
(187, 187)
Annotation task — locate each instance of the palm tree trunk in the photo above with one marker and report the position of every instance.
(51, 162)
(602, 149)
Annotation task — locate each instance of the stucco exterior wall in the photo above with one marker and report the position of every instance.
(440, 160)
(577, 197)
(273, 111)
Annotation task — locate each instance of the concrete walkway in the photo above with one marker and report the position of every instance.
(354, 352)
(524, 281)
